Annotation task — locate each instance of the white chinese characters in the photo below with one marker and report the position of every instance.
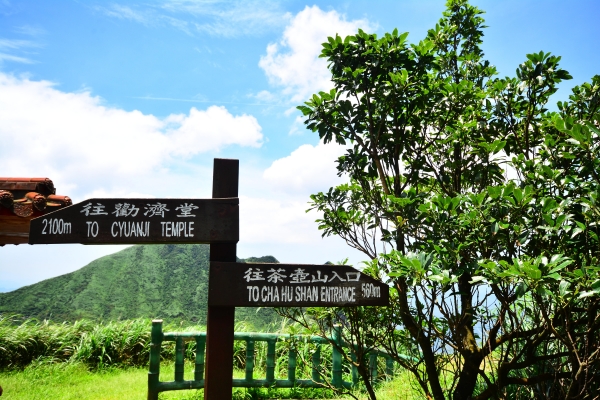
(155, 209)
(125, 210)
(185, 210)
(299, 275)
(130, 222)
(90, 209)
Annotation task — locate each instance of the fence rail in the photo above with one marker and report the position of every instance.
(158, 337)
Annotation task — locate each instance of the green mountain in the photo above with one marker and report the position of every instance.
(151, 281)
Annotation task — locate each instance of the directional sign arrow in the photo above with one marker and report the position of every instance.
(137, 221)
(292, 285)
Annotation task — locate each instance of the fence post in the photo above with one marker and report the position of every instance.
(156, 337)
(373, 366)
(389, 368)
(249, 360)
(199, 367)
(336, 379)
(316, 361)
(292, 365)
(271, 361)
(179, 356)
(354, 369)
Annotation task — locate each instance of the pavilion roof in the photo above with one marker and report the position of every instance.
(22, 199)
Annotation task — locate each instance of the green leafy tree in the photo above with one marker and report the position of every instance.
(351, 331)
(474, 202)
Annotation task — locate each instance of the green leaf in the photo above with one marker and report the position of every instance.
(576, 232)
(561, 266)
(518, 193)
(499, 145)
(476, 279)
(533, 272)
(494, 191)
(495, 228)
(563, 288)
(587, 294)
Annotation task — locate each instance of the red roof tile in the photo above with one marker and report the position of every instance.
(22, 199)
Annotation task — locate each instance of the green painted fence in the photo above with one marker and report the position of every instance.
(158, 337)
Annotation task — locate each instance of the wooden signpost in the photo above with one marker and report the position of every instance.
(216, 222)
(133, 221)
(292, 285)
(220, 321)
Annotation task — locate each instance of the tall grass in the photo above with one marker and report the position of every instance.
(98, 345)
(29, 347)
(23, 342)
(104, 344)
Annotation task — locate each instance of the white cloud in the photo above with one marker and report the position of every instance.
(294, 64)
(126, 12)
(93, 150)
(14, 44)
(265, 96)
(297, 126)
(215, 17)
(8, 57)
(231, 18)
(273, 219)
(9, 46)
(308, 169)
(268, 220)
(75, 139)
(30, 30)
(210, 130)
(290, 111)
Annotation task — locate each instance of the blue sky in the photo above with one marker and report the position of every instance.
(135, 99)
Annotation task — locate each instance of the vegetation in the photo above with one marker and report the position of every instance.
(96, 345)
(477, 205)
(73, 381)
(151, 281)
(110, 361)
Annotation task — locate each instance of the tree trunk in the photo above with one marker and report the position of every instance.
(467, 379)
(417, 333)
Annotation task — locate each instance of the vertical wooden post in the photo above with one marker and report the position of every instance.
(336, 369)
(179, 359)
(292, 365)
(316, 362)
(373, 366)
(199, 367)
(389, 368)
(354, 369)
(153, 373)
(271, 361)
(220, 321)
(249, 360)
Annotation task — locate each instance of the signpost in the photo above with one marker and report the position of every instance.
(137, 221)
(216, 222)
(292, 285)
(220, 321)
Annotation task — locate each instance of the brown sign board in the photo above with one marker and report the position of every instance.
(138, 221)
(292, 285)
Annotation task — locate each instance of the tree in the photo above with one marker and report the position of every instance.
(474, 202)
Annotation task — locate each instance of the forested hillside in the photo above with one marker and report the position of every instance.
(153, 281)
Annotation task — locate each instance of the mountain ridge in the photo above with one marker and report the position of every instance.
(147, 281)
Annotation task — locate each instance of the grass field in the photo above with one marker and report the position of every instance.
(74, 381)
(89, 360)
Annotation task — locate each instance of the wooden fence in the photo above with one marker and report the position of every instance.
(155, 385)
